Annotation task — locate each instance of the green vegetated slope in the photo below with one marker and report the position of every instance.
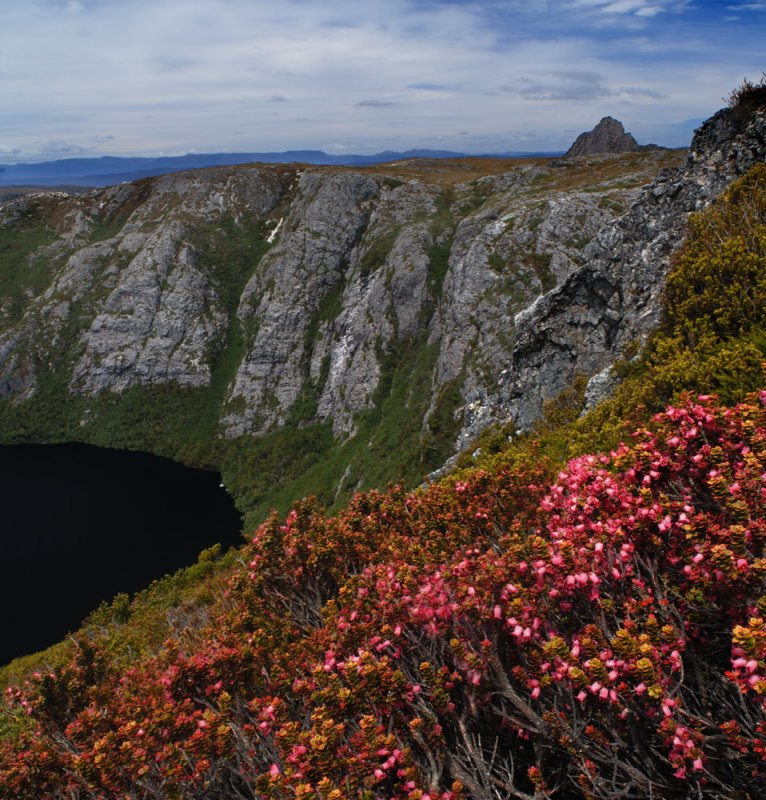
(183, 423)
(302, 456)
(409, 428)
(528, 628)
(410, 425)
(165, 419)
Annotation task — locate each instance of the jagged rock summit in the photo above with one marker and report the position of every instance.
(608, 136)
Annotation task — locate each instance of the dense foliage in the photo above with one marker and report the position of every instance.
(602, 635)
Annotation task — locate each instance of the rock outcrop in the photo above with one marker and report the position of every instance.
(607, 137)
(584, 324)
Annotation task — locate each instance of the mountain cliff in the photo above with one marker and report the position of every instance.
(363, 312)
(585, 591)
(326, 324)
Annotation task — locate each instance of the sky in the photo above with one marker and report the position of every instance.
(168, 77)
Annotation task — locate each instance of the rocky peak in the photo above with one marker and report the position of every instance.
(607, 137)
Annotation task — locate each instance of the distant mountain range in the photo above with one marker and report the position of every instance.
(108, 170)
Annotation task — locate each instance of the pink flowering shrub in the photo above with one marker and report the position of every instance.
(596, 634)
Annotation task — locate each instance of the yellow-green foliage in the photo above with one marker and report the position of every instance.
(718, 287)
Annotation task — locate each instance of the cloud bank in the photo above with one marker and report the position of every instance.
(148, 77)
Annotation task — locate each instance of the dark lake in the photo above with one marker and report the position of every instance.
(78, 524)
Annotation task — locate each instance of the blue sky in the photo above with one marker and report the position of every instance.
(150, 77)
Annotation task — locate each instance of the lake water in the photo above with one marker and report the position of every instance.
(78, 524)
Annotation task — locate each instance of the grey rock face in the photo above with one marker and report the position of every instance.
(345, 281)
(17, 380)
(586, 322)
(315, 283)
(600, 387)
(383, 306)
(156, 325)
(134, 307)
(309, 262)
(607, 137)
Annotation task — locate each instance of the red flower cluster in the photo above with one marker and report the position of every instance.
(599, 634)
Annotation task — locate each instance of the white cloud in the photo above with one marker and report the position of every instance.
(569, 85)
(624, 7)
(638, 8)
(60, 148)
(578, 86)
(610, 6)
(176, 75)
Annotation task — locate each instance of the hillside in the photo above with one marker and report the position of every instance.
(527, 628)
(326, 330)
(565, 616)
(109, 170)
(312, 322)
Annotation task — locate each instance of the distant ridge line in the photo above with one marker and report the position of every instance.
(107, 170)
